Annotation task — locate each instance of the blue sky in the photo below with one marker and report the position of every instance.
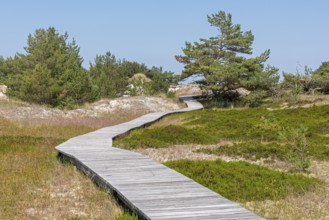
(153, 32)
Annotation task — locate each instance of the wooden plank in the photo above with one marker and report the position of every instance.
(150, 189)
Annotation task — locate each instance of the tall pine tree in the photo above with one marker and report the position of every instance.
(223, 62)
(50, 72)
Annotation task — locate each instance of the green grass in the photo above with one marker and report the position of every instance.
(26, 143)
(241, 181)
(127, 217)
(246, 126)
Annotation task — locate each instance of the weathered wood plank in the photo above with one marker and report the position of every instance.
(150, 189)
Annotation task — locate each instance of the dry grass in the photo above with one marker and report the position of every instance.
(304, 101)
(189, 90)
(179, 152)
(315, 99)
(195, 152)
(34, 184)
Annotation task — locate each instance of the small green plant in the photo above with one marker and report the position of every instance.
(296, 137)
(127, 216)
(267, 125)
(255, 129)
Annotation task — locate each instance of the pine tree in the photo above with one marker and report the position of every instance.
(222, 60)
(50, 72)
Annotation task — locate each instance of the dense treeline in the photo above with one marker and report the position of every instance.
(51, 72)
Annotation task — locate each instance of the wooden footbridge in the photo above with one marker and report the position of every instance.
(148, 188)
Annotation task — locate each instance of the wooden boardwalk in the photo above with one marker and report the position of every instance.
(148, 188)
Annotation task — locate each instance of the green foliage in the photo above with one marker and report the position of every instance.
(50, 72)
(15, 143)
(255, 98)
(2, 72)
(321, 77)
(294, 84)
(297, 139)
(221, 102)
(240, 126)
(127, 217)
(161, 80)
(221, 60)
(164, 136)
(305, 82)
(114, 77)
(38, 86)
(241, 181)
(111, 75)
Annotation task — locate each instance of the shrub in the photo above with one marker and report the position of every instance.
(241, 181)
(256, 126)
(164, 136)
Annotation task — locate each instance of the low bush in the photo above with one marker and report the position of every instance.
(242, 181)
(164, 136)
(256, 130)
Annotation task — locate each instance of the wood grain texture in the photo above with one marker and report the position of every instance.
(148, 188)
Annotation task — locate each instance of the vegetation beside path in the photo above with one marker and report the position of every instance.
(34, 184)
(257, 132)
(295, 138)
(242, 181)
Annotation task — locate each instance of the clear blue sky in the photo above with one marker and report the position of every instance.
(153, 31)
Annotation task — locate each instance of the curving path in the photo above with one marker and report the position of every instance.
(148, 188)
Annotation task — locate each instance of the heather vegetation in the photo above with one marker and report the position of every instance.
(242, 181)
(293, 140)
(256, 132)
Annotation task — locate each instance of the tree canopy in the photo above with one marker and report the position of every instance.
(321, 77)
(223, 61)
(112, 76)
(51, 73)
